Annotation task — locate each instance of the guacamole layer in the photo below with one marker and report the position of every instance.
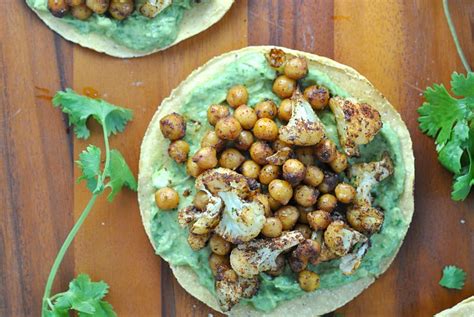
(253, 71)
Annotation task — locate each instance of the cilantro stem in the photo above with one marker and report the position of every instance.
(455, 36)
(64, 248)
(107, 152)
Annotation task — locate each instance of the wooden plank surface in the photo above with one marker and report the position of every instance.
(401, 46)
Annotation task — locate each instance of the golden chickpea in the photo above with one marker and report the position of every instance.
(314, 176)
(259, 151)
(305, 154)
(98, 6)
(326, 151)
(166, 198)
(81, 12)
(237, 96)
(284, 87)
(197, 241)
(229, 276)
(339, 164)
(192, 168)
(206, 158)
(231, 158)
(285, 110)
(268, 173)
(304, 213)
(121, 9)
(250, 169)
(173, 126)
(217, 112)
(274, 204)
(297, 265)
(319, 219)
(266, 109)
(304, 229)
(228, 128)
(272, 227)
(246, 116)
(308, 280)
(327, 202)
(305, 195)
(345, 193)
(218, 263)
(280, 190)
(178, 150)
(330, 182)
(288, 216)
(296, 68)
(244, 141)
(211, 139)
(74, 3)
(264, 200)
(318, 97)
(219, 245)
(58, 8)
(278, 144)
(293, 171)
(265, 129)
(201, 199)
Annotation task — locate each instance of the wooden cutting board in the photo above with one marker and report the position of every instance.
(401, 46)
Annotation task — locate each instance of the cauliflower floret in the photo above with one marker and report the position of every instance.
(223, 180)
(259, 255)
(151, 8)
(241, 221)
(340, 239)
(351, 262)
(357, 123)
(230, 288)
(280, 157)
(202, 221)
(304, 127)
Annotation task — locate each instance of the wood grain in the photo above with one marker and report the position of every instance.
(401, 46)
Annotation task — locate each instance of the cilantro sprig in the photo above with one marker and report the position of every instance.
(85, 296)
(449, 119)
(453, 277)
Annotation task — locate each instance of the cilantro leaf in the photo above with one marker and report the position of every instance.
(453, 277)
(119, 175)
(465, 180)
(80, 108)
(89, 163)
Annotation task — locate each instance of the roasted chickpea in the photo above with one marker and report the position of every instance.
(326, 151)
(259, 151)
(211, 139)
(330, 181)
(308, 250)
(231, 158)
(264, 200)
(304, 229)
(228, 128)
(305, 195)
(246, 116)
(280, 266)
(201, 199)
(173, 126)
(272, 227)
(81, 12)
(120, 9)
(314, 176)
(218, 263)
(345, 193)
(293, 171)
(266, 109)
(278, 145)
(250, 169)
(58, 8)
(305, 154)
(74, 3)
(304, 213)
(297, 265)
(227, 275)
(192, 168)
(327, 202)
(265, 129)
(318, 97)
(217, 112)
(284, 87)
(244, 141)
(274, 204)
(268, 173)
(296, 68)
(308, 280)
(98, 6)
(237, 96)
(339, 164)
(285, 110)
(319, 219)
(178, 150)
(197, 241)
(288, 216)
(206, 158)
(166, 198)
(280, 190)
(219, 245)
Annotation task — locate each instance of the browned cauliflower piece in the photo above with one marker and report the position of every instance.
(340, 238)
(230, 288)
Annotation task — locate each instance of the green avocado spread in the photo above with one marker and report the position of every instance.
(253, 71)
(136, 31)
